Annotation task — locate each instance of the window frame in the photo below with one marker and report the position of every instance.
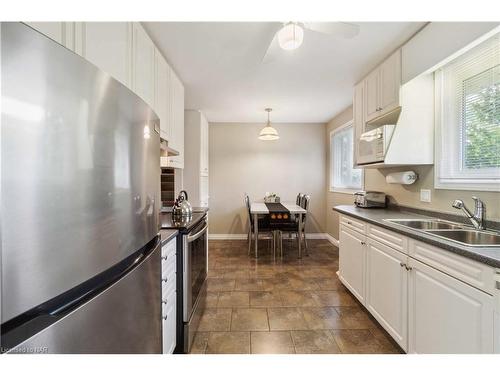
(479, 181)
(332, 187)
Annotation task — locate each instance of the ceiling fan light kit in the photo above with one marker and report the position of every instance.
(290, 36)
(268, 133)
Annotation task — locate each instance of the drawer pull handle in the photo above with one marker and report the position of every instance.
(349, 222)
(165, 279)
(164, 301)
(165, 257)
(165, 317)
(362, 243)
(408, 268)
(402, 264)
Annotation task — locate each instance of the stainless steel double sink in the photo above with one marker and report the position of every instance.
(456, 232)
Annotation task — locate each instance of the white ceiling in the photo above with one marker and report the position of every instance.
(220, 65)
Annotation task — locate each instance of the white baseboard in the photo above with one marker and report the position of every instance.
(241, 236)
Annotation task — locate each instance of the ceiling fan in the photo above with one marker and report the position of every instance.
(290, 35)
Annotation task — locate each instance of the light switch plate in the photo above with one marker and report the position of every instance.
(425, 195)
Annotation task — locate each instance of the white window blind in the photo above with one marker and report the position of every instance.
(468, 126)
(343, 177)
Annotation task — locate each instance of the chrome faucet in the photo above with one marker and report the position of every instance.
(478, 219)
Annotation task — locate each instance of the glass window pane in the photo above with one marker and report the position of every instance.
(344, 175)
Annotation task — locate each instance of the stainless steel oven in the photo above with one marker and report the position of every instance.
(195, 268)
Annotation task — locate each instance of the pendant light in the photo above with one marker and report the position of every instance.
(268, 133)
(290, 36)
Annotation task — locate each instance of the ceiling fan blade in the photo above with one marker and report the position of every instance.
(273, 47)
(340, 29)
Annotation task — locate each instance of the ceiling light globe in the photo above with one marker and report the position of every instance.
(290, 36)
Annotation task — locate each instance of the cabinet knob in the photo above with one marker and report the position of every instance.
(165, 317)
(362, 242)
(164, 279)
(164, 258)
(402, 264)
(408, 268)
(164, 302)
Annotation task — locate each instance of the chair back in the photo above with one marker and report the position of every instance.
(306, 199)
(247, 203)
(298, 201)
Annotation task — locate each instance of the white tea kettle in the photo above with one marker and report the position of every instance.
(181, 206)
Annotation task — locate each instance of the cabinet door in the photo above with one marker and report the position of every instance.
(108, 45)
(204, 195)
(371, 94)
(54, 30)
(162, 94)
(169, 325)
(447, 315)
(177, 137)
(204, 146)
(387, 290)
(358, 114)
(143, 53)
(390, 83)
(352, 260)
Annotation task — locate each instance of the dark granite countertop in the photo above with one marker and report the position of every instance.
(487, 255)
(167, 234)
(167, 221)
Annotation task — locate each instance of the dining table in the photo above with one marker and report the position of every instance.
(260, 208)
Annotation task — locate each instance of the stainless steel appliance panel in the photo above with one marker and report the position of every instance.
(125, 318)
(79, 174)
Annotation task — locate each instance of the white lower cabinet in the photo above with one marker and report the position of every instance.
(169, 327)
(444, 306)
(386, 289)
(447, 315)
(352, 260)
(169, 293)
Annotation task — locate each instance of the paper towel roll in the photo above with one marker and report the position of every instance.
(403, 178)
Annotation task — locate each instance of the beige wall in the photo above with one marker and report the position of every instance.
(406, 195)
(239, 162)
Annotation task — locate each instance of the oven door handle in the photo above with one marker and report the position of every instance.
(194, 237)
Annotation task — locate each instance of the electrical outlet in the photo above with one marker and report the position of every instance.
(425, 195)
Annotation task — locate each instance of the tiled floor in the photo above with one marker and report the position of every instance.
(283, 306)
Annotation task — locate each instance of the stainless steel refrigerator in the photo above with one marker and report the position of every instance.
(80, 177)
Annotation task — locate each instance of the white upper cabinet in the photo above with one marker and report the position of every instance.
(390, 83)
(371, 91)
(176, 140)
(143, 56)
(108, 45)
(162, 105)
(382, 86)
(56, 31)
(204, 146)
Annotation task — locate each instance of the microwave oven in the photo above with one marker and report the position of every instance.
(373, 144)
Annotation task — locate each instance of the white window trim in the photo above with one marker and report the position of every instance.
(474, 184)
(333, 189)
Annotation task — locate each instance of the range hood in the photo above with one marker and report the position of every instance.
(412, 142)
(165, 150)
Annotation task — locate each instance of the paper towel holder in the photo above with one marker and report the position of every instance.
(403, 178)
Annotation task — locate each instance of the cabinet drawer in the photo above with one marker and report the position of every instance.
(168, 271)
(353, 224)
(471, 272)
(168, 249)
(389, 238)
